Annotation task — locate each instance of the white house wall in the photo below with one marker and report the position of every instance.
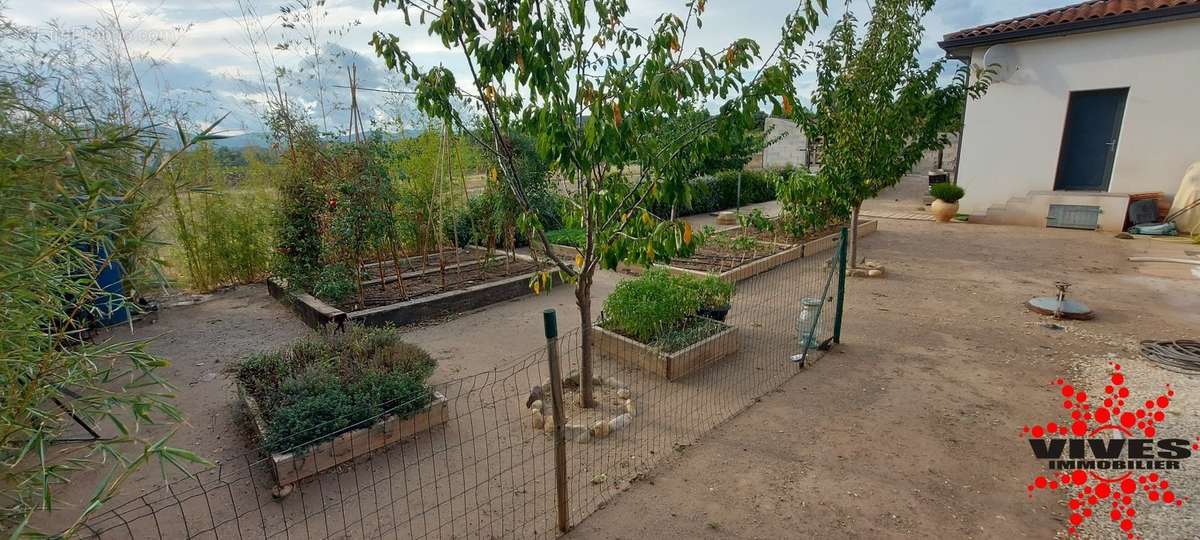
(790, 146)
(1012, 135)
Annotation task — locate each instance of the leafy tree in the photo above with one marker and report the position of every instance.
(597, 93)
(875, 109)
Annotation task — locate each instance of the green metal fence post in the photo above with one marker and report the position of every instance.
(841, 290)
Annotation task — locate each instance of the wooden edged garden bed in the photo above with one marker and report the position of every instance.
(292, 467)
(673, 365)
(830, 241)
(821, 243)
(316, 313)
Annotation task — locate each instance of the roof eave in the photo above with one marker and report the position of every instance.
(955, 47)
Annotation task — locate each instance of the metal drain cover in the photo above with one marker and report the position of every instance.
(1069, 309)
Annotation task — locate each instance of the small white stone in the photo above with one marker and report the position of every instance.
(620, 422)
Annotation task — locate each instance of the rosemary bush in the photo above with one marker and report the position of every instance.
(327, 384)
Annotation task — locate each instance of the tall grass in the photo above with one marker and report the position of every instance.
(222, 233)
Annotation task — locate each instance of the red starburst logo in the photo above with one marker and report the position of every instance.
(1115, 458)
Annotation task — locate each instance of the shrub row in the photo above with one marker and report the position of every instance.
(720, 191)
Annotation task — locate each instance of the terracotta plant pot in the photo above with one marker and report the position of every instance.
(944, 211)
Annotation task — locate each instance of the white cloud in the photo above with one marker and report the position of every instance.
(206, 57)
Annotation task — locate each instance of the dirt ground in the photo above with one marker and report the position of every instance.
(910, 429)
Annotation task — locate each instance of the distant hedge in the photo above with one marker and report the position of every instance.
(720, 191)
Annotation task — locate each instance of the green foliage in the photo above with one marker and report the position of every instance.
(706, 194)
(714, 292)
(736, 244)
(695, 330)
(755, 221)
(567, 237)
(494, 216)
(644, 307)
(875, 109)
(947, 192)
(809, 203)
(327, 384)
(429, 175)
(222, 234)
(599, 96)
(336, 283)
(71, 184)
(303, 197)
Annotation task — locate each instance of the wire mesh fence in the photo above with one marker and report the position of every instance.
(479, 460)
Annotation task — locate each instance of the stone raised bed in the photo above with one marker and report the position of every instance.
(292, 467)
(672, 366)
(316, 313)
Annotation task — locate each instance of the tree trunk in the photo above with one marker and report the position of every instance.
(854, 237)
(583, 298)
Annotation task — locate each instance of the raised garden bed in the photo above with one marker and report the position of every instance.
(331, 398)
(814, 242)
(830, 241)
(470, 284)
(671, 365)
(292, 467)
(651, 322)
(734, 258)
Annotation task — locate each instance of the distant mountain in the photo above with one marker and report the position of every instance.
(263, 139)
(250, 138)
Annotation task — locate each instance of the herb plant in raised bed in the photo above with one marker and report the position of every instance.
(715, 295)
(651, 321)
(329, 398)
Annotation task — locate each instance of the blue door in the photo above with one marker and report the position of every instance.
(1089, 143)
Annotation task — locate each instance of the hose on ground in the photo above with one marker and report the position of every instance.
(1181, 356)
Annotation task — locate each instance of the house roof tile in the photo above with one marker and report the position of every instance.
(1076, 15)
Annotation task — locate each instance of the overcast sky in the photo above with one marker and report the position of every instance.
(201, 56)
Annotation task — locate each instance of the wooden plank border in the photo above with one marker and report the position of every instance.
(830, 241)
(672, 366)
(293, 467)
(317, 314)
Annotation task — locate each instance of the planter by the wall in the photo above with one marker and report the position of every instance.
(670, 365)
(943, 211)
(316, 313)
(292, 467)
